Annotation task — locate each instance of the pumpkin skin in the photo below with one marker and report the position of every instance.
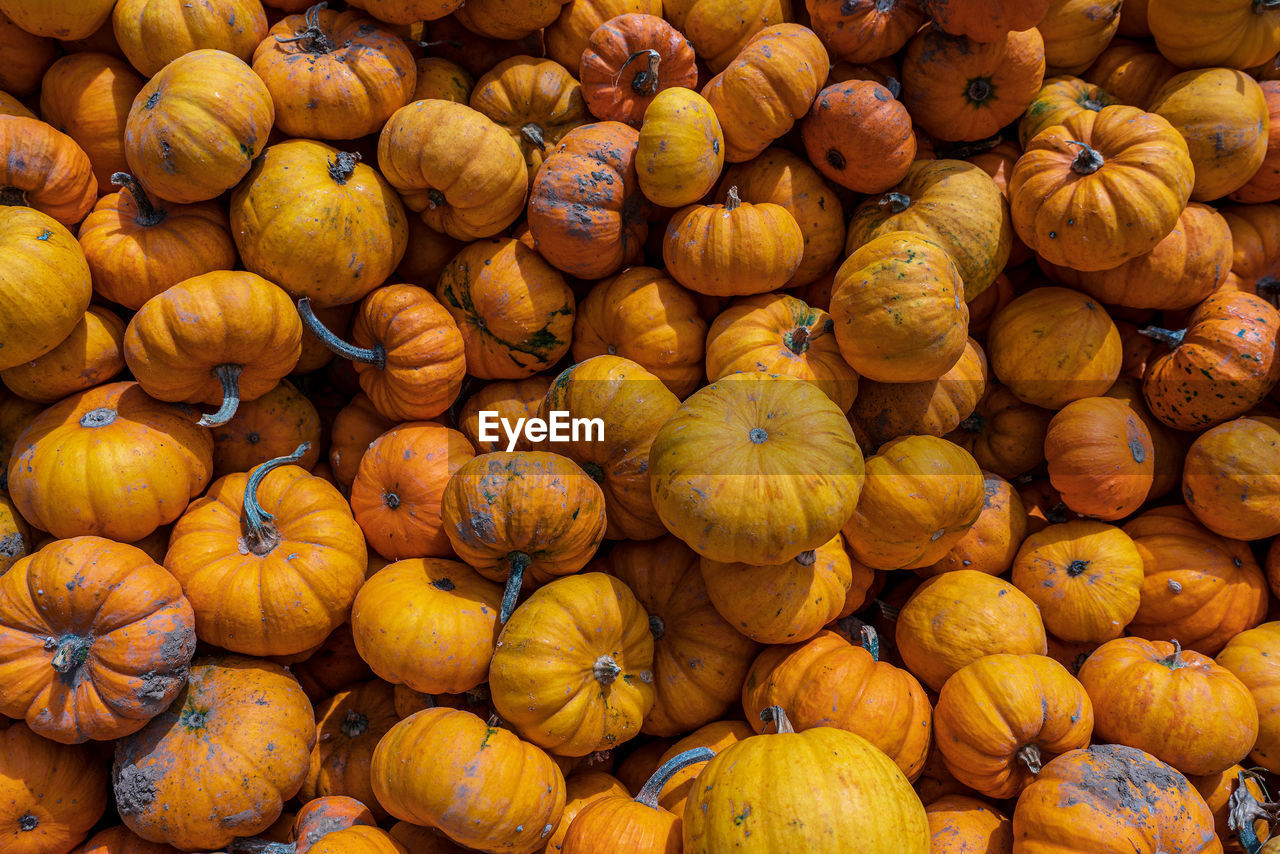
(53, 794)
(859, 136)
(358, 840)
(1217, 789)
(961, 90)
(960, 824)
(680, 151)
(403, 12)
(1052, 345)
(531, 786)
(1131, 71)
(1195, 35)
(569, 35)
(353, 430)
(90, 355)
(27, 57)
(153, 33)
(113, 492)
(125, 635)
(137, 248)
(894, 277)
(992, 543)
(45, 170)
(329, 814)
(1255, 240)
(501, 19)
(1251, 657)
(122, 840)
(643, 315)
(273, 425)
(1032, 710)
(332, 666)
(1004, 435)
(87, 96)
(715, 736)
(429, 624)
(1084, 576)
(581, 789)
(1170, 445)
(398, 488)
(1226, 152)
(771, 81)
(11, 106)
(587, 215)
(1230, 345)
(466, 191)
(778, 334)
(829, 682)
(864, 31)
(1197, 587)
(985, 22)
(309, 64)
(62, 19)
(304, 193)
(961, 616)
(856, 799)
(348, 727)
(573, 669)
(635, 403)
(264, 751)
(441, 80)
(511, 399)
(1076, 32)
(536, 101)
(616, 85)
(196, 127)
(227, 556)
(1101, 457)
(1155, 696)
(15, 535)
(922, 495)
(953, 203)
(1264, 186)
(1057, 99)
(699, 659)
(514, 310)
(1112, 799)
(720, 31)
(787, 497)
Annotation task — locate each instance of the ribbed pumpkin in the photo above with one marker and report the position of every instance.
(511, 399)
(273, 425)
(28, 57)
(1057, 99)
(581, 789)
(1264, 186)
(863, 31)
(348, 727)
(536, 101)
(442, 80)
(570, 34)
(1131, 71)
(1252, 656)
(46, 170)
(153, 34)
(1076, 32)
(1101, 457)
(992, 543)
(1255, 241)
(53, 794)
(91, 355)
(720, 30)
(1223, 32)
(15, 534)
(87, 96)
(122, 840)
(960, 823)
(628, 60)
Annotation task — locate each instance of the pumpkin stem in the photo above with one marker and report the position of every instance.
(645, 83)
(657, 627)
(354, 724)
(606, 670)
(889, 612)
(533, 133)
(1260, 6)
(1058, 513)
(807, 558)
(1243, 809)
(27, 822)
(732, 199)
(980, 90)
(342, 167)
(253, 845)
(148, 213)
(965, 150)
(376, 355)
(1168, 337)
(648, 794)
(1030, 756)
(436, 199)
(72, 652)
(518, 562)
(1077, 567)
(776, 715)
(13, 197)
(1092, 104)
(1174, 586)
(260, 537)
(870, 641)
(895, 202)
(316, 39)
(1173, 660)
(797, 340)
(1088, 161)
(229, 376)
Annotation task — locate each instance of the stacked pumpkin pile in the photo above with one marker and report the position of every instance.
(923, 484)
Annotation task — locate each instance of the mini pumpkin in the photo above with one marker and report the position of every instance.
(153, 33)
(91, 355)
(1132, 71)
(53, 794)
(862, 31)
(1101, 457)
(680, 151)
(859, 136)
(569, 35)
(1076, 31)
(959, 822)
(719, 31)
(348, 727)
(271, 426)
(1057, 99)
(536, 101)
(629, 59)
(1225, 32)
(1004, 435)
(985, 22)
(88, 96)
(1251, 656)
(46, 170)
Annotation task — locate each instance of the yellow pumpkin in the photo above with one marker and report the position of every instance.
(681, 149)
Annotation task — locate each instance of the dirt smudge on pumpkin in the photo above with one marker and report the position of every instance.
(12, 545)
(135, 790)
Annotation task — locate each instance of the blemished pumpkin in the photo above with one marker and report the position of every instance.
(863, 31)
(501, 19)
(15, 534)
(153, 33)
(76, 470)
(302, 193)
(271, 426)
(581, 789)
(91, 355)
(1264, 186)
(1058, 98)
(87, 96)
(276, 527)
(45, 170)
(1169, 445)
(1084, 576)
(197, 125)
(1032, 709)
(960, 823)
(777, 436)
(859, 136)
(628, 59)
(1146, 693)
(1132, 71)
(511, 399)
(536, 101)
(1222, 32)
(985, 22)
(719, 31)
(992, 543)
(348, 727)
(442, 80)
(1255, 241)
(570, 34)
(1252, 656)
(1101, 457)
(573, 669)
(680, 151)
(166, 789)
(351, 432)
(123, 636)
(1217, 790)
(53, 794)
(1075, 32)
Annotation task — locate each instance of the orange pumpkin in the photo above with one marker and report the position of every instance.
(715, 736)
(570, 34)
(270, 426)
(122, 840)
(1217, 790)
(27, 57)
(62, 19)
(859, 136)
(502, 19)
(985, 22)
(960, 823)
(350, 434)
(46, 170)
(581, 789)
(442, 80)
(152, 34)
(992, 543)
(1264, 186)
(629, 59)
(1101, 457)
(862, 31)
(718, 30)
(53, 794)
(511, 399)
(1131, 71)
(1076, 31)
(1251, 656)
(1239, 35)
(536, 101)
(87, 96)
(91, 355)
(1004, 434)
(15, 534)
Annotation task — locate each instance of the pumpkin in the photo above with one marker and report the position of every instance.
(204, 340)
(153, 33)
(358, 840)
(197, 125)
(334, 75)
(1222, 114)
(573, 669)
(859, 136)
(1052, 345)
(511, 399)
(393, 11)
(582, 788)
(1169, 445)
(829, 682)
(331, 666)
(959, 617)
(1084, 576)
(427, 254)
(863, 31)
(1057, 99)
(277, 527)
(27, 56)
(137, 248)
(270, 426)
(122, 840)
(76, 469)
(1145, 692)
(467, 191)
(680, 151)
(304, 193)
(536, 101)
(699, 658)
(922, 495)
(1223, 32)
(587, 215)
(122, 637)
(1113, 799)
(960, 823)
(715, 736)
(961, 90)
(772, 81)
(720, 31)
(398, 488)
(1033, 709)
(1101, 457)
(442, 80)
(1137, 161)
(1132, 72)
(351, 433)
(89, 356)
(87, 96)
(328, 814)
(569, 36)
(53, 794)
(15, 535)
(1219, 366)
(1198, 587)
(1217, 790)
(992, 543)
(984, 22)
(642, 315)
(1075, 33)
(854, 797)
(627, 60)
(424, 840)
(46, 170)
(61, 19)
(259, 723)
(796, 469)
(953, 203)
(504, 19)
(1004, 435)
(1251, 656)
(348, 727)
(1255, 241)
(11, 106)
(1264, 186)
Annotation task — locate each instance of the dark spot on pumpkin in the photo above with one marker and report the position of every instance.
(12, 545)
(835, 159)
(1135, 448)
(1077, 567)
(135, 790)
(444, 584)
(152, 100)
(391, 500)
(28, 822)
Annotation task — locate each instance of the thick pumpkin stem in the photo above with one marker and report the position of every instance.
(870, 641)
(807, 558)
(980, 90)
(1244, 809)
(777, 715)
(889, 612)
(148, 214)
(797, 340)
(657, 627)
(1168, 337)
(895, 202)
(376, 355)
(1260, 6)
(533, 133)
(72, 651)
(645, 83)
(342, 167)
(606, 670)
(732, 199)
(1088, 161)
(648, 794)
(259, 536)
(354, 724)
(517, 562)
(1173, 660)
(229, 376)
(1092, 104)
(314, 39)
(13, 197)
(1030, 756)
